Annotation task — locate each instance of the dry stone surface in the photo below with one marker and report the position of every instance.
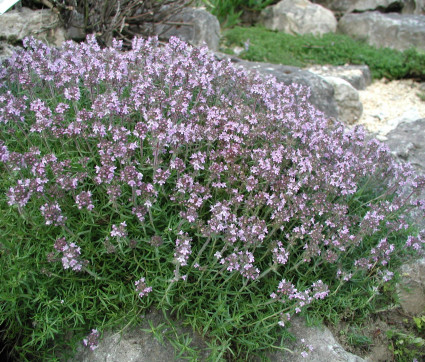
(357, 75)
(298, 17)
(387, 104)
(393, 30)
(347, 99)
(15, 25)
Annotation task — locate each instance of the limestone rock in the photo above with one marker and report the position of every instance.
(411, 289)
(416, 7)
(395, 31)
(347, 99)
(325, 346)
(383, 5)
(15, 25)
(407, 142)
(357, 75)
(298, 17)
(341, 7)
(198, 27)
(136, 345)
(337, 6)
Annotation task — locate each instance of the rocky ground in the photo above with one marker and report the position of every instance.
(388, 103)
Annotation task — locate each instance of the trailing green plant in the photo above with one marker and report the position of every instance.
(162, 178)
(336, 49)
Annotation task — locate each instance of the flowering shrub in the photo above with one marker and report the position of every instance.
(238, 200)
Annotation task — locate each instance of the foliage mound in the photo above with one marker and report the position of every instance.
(337, 49)
(161, 177)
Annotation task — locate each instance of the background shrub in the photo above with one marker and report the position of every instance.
(160, 177)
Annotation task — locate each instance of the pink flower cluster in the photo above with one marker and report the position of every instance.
(286, 291)
(70, 255)
(92, 340)
(142, 288)
(243, 262)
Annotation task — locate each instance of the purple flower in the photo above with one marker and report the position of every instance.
(119, 231)
(83, 199)
(183, 248)
(92, 340)
(141, 287)
(53, 214)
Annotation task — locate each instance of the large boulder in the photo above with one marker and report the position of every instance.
(395, 31)
(15, 25)
(341, 7)
(379, 5)
(193, 25)
(416, 7)
(322, 93)
(298, 17)
(337, 6)
(407, 142)
(357, 75)
(349, 107)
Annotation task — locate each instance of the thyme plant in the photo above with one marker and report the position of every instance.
(160, 177)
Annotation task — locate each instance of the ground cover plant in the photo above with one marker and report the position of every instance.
(162, 178)
(264, 45)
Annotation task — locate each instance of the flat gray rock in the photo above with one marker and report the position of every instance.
(407, 142)
(136, 345)
(357, 75)
(393, 30)
(15, 25)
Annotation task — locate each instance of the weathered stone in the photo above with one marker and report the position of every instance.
(322, 93)
(395, 31)
(341, 7)
(137, 345)
(357, 75)
(197, 27)
(325, 346)
(407, 142)
(411, 289)
(380, 5)
(41, 24)
(349, 107)
(416, 7)
(337, 6)
(298, 17)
